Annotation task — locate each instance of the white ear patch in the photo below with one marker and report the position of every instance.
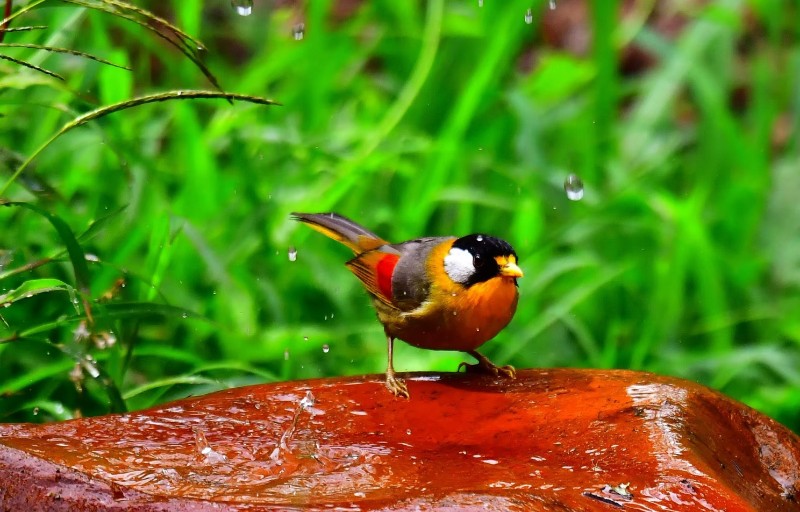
(458, 265)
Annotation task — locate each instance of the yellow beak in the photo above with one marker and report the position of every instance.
(510, 269)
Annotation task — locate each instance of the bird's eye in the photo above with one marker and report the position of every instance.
(477, 261)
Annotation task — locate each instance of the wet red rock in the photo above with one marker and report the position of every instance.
(564, 440)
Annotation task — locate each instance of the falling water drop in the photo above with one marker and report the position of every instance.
(326, 348)
(529, 16)
(552, 5)
(292, 253)
(573, 186)
(242, 7)
(299, 31)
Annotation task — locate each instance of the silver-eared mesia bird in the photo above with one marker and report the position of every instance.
(438, 293)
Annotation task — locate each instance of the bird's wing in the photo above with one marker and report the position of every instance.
(375, 270)
(411, 279)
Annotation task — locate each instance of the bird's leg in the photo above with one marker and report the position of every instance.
(396, 386)
(486, 366)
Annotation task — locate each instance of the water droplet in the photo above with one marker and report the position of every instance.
(185, 315)
(305, 338)
(286, 354)
(326, 348)
(455, 312)
(573, 186)
(479, 238)
(480, 3)
(292, 253)
(552, 5)
(89, 364)
(408, 432)
(299, 31)
(308, 400)
(35, 411)
(200, 442)
(529, 16)
(242, 7)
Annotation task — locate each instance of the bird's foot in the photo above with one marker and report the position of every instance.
(396, 386)
(485, 367)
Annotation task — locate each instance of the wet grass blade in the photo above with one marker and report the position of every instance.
(183, 39)
(25, 29)
(20, 12)
(33, 287)
(99, 224)
(32, 66)
(63, 50)
(76, 254)
(121, 310)
(36, 375)
(135, 102)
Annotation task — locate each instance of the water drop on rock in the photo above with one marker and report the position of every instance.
(308, 401)
(242, 7)
(573, 186)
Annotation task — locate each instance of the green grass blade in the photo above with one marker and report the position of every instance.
(135, 102)
(33, 287)
(63, 50)
(76, 255)
(32, 66)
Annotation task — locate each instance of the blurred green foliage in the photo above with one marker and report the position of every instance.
(681, 118)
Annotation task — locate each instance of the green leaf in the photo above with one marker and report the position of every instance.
(34, 287)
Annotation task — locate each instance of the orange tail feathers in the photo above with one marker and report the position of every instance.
(356, 237)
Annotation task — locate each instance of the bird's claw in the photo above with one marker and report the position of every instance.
(396, 386)
(487, 367)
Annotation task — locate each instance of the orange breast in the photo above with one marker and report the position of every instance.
(455, 317)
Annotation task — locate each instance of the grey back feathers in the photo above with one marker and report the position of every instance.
(408, 289)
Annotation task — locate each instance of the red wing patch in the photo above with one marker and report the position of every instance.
(385, 269)
(375, 269)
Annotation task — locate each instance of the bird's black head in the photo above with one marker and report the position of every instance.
(477, 258)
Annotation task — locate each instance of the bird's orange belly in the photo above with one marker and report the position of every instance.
(463, 322)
